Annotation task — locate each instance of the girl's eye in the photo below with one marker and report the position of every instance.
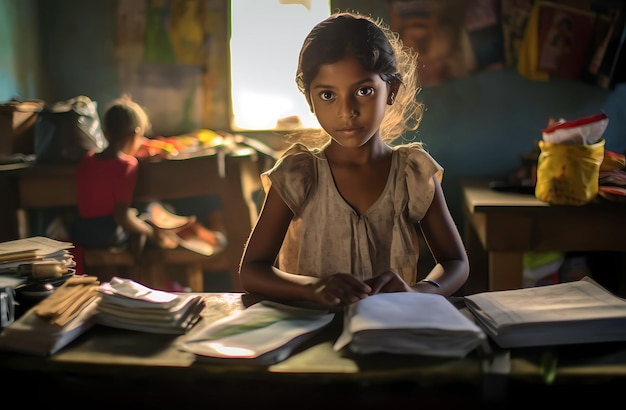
(327, 95)
(362, 92)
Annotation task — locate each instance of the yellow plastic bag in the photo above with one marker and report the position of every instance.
(567, 174)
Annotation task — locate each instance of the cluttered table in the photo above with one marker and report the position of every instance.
(231, 174)
(507, 224)
(120, 367)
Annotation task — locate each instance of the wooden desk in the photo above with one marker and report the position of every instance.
(129, 369)
(233, 177)
(506, 225)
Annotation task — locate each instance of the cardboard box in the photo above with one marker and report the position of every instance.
(17, 126)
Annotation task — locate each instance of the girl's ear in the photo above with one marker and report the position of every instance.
(394, 86)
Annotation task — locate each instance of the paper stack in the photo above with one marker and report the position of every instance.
(129, 305)
(408, 323)
(35, 267)
(56, 321)
(564, 313)
(35, 249)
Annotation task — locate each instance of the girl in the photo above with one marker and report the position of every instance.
(340, 219)
(105, 182)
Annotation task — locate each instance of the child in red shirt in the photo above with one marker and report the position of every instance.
(106, 180)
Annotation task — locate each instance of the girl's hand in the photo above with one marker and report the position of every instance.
(388, 282)
(340, 289)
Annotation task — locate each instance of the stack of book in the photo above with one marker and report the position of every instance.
(32, 268)
(565, 313)
(36, 249)
(83, 301)
(55, 321)
(130, 305)
(408, 323)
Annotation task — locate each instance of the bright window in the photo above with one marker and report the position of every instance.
(266, 37)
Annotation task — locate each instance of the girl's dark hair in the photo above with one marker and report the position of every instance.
(378, 50)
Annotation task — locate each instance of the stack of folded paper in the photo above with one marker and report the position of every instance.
(129, 305)
(37, 249)
(408, 323)
(55, 321)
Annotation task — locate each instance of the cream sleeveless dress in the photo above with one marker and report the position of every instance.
(328, 236)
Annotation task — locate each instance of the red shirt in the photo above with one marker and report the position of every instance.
(101, 183)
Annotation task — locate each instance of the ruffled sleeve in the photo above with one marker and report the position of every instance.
(419, 169)
(293, 176)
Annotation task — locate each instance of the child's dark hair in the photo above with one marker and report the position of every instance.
(378, 50)
(123, 118)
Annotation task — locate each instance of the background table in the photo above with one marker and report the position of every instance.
(234, 178)
(505, 225)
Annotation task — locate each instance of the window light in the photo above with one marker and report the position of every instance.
(266, 37)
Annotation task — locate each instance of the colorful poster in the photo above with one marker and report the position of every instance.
(170, 60)
(515, 14)
(452, 38)
(564, 37)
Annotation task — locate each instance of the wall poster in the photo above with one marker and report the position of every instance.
(453, 38)
(170, 60)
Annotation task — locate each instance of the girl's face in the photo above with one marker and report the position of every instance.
(349, 102)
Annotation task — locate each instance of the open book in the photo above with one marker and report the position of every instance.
(264, 333)
(186, 232)
(563, 313)
(399, 323)
(408, 323)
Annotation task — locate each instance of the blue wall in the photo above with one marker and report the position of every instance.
(19, 50)
(478, 126)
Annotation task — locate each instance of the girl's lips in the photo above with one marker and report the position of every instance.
(348, 131)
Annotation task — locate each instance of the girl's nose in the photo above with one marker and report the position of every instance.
(347, 108)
